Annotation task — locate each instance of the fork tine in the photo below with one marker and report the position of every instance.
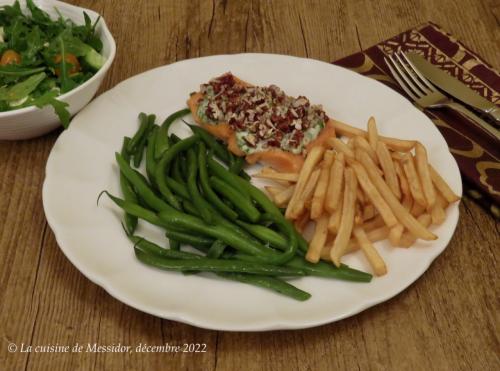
(398, 79)
(406, 77)
(411, 73)
(417, 72)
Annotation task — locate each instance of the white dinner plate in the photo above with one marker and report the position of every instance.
(82, 164)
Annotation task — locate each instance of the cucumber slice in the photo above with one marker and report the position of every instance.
(94, 59)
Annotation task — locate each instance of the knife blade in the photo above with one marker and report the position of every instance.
(454, 87)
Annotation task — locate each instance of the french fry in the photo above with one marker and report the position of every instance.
(318, 200)
(362, 144)
(350, 143)
(388, 168)
(393, 143)
(417, 209)
(413, 180)
(437, 214)
(294, 206)
(403, 215)
(289, 177)
(407, 202)
(347, 219)
(440, 198)
(340, 147)
(372, 133)
(335, 183)
(360, 196)
(374, 223)
(375, 235)
(369, 212)
(269, 170)
(308, 190)
(442, 186)
(334, 221)
(358, 215)
(409, 239)
(403, 182)
(274, 190)
(395, 234)
(301, 222)
(318, 239)
(373, 194)
(374, 258)
(397, 156)
(424, 174)
(284, 196)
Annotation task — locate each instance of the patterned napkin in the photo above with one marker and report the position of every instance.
(477, 154)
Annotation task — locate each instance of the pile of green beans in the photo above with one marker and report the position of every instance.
(198, 192)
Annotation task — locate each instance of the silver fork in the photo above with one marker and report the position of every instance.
(424, 94)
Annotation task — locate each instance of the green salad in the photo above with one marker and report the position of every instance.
(42, 58)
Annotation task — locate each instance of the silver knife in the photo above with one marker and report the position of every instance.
(454, 87)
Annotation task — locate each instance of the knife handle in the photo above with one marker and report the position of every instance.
(494, 113)
(471, 116)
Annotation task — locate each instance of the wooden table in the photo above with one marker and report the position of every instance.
(447, 320)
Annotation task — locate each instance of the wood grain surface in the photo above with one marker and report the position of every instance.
(447, 320)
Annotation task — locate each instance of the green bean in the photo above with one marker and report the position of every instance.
(136, 210)
(174, 138)
(290, 247)
(219, 150)
(217, 231)
(192, 186)
(190, 239)
(139, 148)
(244, 175)
(230, 178)
(271, 283)
(269, 207)
(162, 140)
(189, 207)
(139, 152)
(152, 248)
(140, 186)
(243, 204)
(216, 265)
(237, 165)
(265, 234)
(161, 169)
(256, 194)
(207, 190)
(150, 158)
(216, 249)
(143, 120)
(128, 191)
(176, 168)
(124, 151)
(178, 188)
(174, 244)
(287, 229)
(223, 221)
(322, 269)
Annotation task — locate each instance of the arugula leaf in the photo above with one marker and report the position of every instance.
(34, 45)
(22, 89)
(66, 83)
(86, 33)
(13, 11)
(38, 14)
(60, 108)
(17, 71)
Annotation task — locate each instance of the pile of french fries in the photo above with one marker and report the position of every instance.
(361, 190)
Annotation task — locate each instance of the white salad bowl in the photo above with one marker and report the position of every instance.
(30, 122)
